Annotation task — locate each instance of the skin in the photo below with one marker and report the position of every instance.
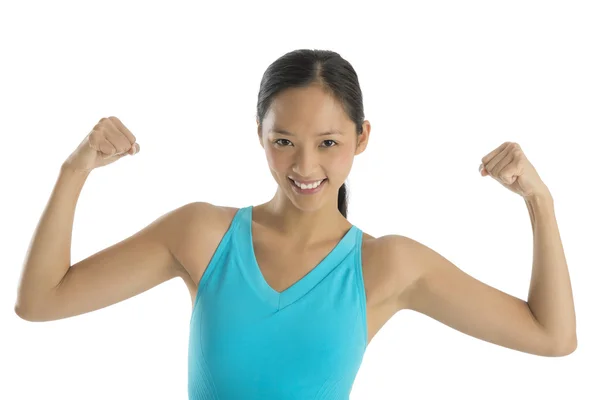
(415, 276)
(294, 233)
(306, 112)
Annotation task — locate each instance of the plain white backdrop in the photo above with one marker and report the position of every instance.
(444, 83)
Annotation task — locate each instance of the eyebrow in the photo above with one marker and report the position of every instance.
(284, 132)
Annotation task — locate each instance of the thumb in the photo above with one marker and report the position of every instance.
(483, 171)
(134, 149)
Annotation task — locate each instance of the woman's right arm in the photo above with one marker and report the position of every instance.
(50, 288)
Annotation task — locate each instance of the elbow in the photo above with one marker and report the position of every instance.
(565, 348)
(21, 313)
(27, 314)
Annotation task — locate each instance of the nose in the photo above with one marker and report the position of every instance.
(306, 163)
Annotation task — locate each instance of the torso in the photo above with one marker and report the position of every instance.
(200, 244)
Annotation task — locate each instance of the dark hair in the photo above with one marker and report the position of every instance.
(304, 67)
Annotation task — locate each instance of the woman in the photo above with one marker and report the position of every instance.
(287, 295)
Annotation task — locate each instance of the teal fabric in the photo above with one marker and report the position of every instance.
(248, 341)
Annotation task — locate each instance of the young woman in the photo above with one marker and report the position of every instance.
(287, 294)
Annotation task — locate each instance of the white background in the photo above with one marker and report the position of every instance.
(444, 83)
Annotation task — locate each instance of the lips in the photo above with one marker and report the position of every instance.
(293, 183)
(307, 182)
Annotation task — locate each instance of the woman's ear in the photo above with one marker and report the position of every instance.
(259, 132)
(363, 138)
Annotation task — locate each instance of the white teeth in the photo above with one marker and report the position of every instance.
(311, 186)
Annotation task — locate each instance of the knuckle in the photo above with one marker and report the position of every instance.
(518, 153)
(96, 134)
(104, 124)
(94, 139)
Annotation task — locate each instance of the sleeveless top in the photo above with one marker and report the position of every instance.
(248, 341)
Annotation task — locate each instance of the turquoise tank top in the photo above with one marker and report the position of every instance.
(248, 341)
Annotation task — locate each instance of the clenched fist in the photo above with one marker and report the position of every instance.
(108, 141)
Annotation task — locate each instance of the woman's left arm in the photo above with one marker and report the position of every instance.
(550, 294)
(545, 324)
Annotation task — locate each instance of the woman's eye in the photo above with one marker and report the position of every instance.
(278, 142)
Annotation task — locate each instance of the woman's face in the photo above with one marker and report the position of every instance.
(292, 135)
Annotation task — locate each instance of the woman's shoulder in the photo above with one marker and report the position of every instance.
(204, 209)
(386, 264)
(205, 217)
(201, 226)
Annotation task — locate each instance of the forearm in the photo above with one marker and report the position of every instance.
(49, 255)
(550, 294)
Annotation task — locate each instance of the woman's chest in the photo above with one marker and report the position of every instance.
(281, 267)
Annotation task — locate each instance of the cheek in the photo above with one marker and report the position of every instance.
(346, 157)
(276, 160)
(342, 161)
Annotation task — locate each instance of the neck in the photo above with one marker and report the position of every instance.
(303, 225)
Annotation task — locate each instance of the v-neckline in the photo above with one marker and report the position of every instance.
(304, 284)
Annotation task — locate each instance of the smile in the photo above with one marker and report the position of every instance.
(308, 189)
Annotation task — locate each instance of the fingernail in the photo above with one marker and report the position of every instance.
(480, 167)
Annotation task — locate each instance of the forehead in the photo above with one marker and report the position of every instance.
(307, 109)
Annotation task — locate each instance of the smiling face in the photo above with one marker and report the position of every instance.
(308, 136)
